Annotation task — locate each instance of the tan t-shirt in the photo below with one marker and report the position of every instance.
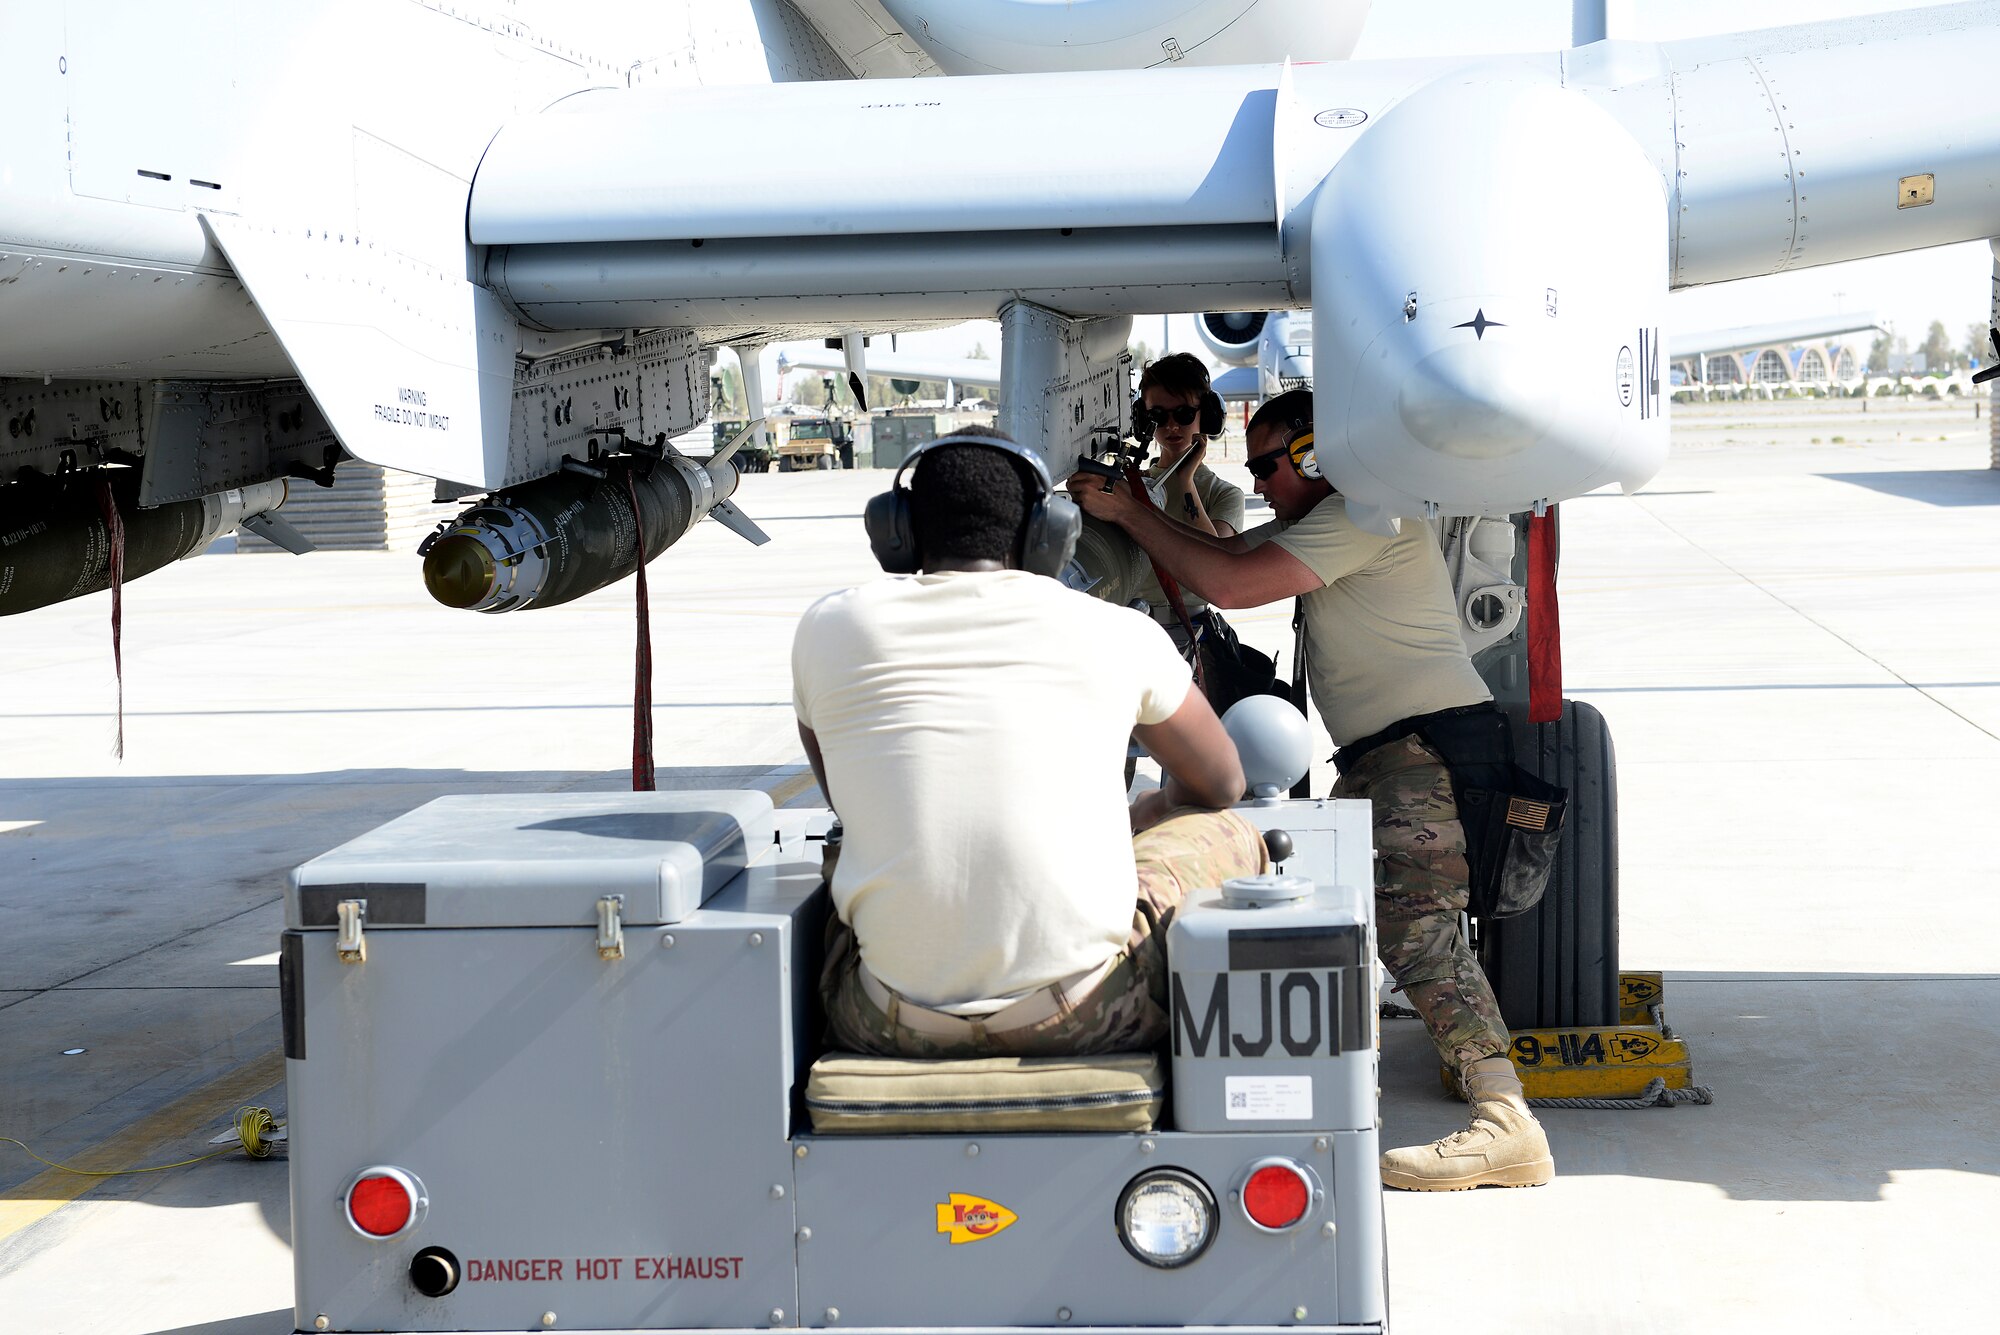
(1224, 503)
(1382, 639)
(973, 726)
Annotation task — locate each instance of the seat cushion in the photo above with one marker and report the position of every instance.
(855, 1095)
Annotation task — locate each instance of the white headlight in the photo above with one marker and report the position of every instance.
(1166, 1217)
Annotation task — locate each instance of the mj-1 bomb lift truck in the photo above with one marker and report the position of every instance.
(553, 1064)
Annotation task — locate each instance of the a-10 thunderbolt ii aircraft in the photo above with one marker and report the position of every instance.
(498, 243)
(233, 251)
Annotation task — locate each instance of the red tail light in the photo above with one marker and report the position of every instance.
(1277, 1194)
(384, 1202)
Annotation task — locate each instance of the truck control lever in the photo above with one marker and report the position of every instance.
(1279, 845)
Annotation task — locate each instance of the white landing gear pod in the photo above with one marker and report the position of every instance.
(561, 1086)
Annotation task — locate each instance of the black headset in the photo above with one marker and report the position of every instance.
(1209, 423)
(1048, 537)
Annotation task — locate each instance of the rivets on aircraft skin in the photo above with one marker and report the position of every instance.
(777, 1316)
(322, 1321)
(1321, 1145)
(832, 1315)
(1327, 1230)
(1148, 1146)
(667, 941)
(1298, 1314)
(756, 938)
(777, 1191)
(800, 1152)
(806, 1234)
(1062, 1314)
(972, 1151)
(548, 1318)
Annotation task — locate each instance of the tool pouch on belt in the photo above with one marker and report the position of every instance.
(1513, 819)
(1233, 669)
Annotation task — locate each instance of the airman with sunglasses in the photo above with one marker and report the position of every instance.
(1382, 649)
(1174, 399)
(1171, 395)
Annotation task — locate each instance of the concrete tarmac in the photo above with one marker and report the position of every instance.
(1788, 631)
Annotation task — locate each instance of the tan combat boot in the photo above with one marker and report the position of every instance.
(1503, 1147)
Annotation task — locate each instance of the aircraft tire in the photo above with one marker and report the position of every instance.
(1556, 965)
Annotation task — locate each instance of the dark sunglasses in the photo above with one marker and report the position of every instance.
(1264, 465)
(1183, 414)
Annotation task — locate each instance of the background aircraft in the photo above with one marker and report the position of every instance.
(955, 372)
(1268, 352)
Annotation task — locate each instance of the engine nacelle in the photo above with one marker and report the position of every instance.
(1232, 336)
(1489, 330)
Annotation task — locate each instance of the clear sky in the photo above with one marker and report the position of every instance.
(1950, 283)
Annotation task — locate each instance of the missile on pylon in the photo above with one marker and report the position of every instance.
(55, 535)
(560, 537)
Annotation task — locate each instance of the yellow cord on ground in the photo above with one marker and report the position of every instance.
(253, 1126)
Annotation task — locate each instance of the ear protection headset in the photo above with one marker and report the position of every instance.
(1048, 536)
(1296, 432)
(1299, 443)
(1209, 421)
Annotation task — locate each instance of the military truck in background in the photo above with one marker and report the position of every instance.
(793, 440)
(756, 455)
(813, 440)
(897, 431)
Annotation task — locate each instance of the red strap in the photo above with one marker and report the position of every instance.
(1168, 584)
(1545, 681)
(642, 657)
(114, 536)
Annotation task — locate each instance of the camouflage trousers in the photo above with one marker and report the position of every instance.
(1421, 885)
(1125, 1012)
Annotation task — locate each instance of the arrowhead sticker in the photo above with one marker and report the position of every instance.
(969, 1218)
